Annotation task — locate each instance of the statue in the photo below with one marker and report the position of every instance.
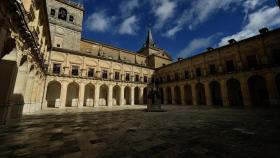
(154, 98)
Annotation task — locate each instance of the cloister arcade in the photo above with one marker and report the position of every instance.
(255, 90)
(61, 93)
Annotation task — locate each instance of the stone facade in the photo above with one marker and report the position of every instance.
(243, 73)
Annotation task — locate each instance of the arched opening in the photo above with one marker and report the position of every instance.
(258, 91)
(53, 94)
(200, 94)
(277, 80)
(116, 95)
(127, 99)
(188, 94)
(72, 95)
(103, 95)
(145, 95)
(89, 95)
(161, 95)
(177, 93)
(169, 96)
(235, 96)
(216, 96)
(62, 14)
(136, 96)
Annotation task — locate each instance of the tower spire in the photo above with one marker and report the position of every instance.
(150, 41)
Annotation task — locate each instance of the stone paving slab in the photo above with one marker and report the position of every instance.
(127, 131)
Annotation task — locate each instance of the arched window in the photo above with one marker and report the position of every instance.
(62, 14)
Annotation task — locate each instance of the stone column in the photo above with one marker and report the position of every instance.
(132, 95)
(183, 100)
(141, 95)
(245, 92)
(122, 95)
(63, 94)
(173, 95)
(165, 100)
(208, 93)
(44, 95)
(224, 93)
(81, 95)
(194, 97)
(110, 95)
(96, 95)
(272, 89)
(28, 94)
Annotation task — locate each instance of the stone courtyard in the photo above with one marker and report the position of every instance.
(189, 131)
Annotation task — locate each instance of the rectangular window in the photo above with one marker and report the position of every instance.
(136, 78)
(230, 66)
(56, 68)
(177, 77)
(75, 70)
(212, 69)
(127, 77)
(52, 12)
(161, 80)
(90, 72)
(168, 78)
(198, 72)
(105, 74)
(252, 61)
(187, 75)
(117, 75)
(145, 79)
(71, 18)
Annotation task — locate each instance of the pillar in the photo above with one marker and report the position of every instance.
(122, 95)
(141, 102)
(44, 95)
(194, 97)
(173, 95)
(245, 92)
(165, 100)
(272, 89)
(110, 95)
(183, 100)
(28, 93)
(81, 95)
(224, 93)
(63, 94)
(96, 95)
(208, 93)
(132, 95)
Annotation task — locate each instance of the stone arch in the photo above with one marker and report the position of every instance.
(103, 95)
(137, 96)
(200, 94)
(169, 95)
(258, 91)
(127, 98)
(89, 95)
(277, 80)
(235, 96)
(177, 95)
(116, 95)
(53, 94)
(216, 96)
(72, 94)
(145, 95)
(188, 94)
(161, 95)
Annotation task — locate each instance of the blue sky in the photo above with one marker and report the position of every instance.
(181, 27)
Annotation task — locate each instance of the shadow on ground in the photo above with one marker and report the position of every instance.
(130, 132)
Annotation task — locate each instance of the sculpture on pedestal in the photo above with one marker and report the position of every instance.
(154, 98)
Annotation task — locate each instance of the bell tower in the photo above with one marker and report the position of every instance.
(65, 21)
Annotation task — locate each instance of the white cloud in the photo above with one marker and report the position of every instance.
(99, 22)
(163, 10)
(202, 10)
(129, 26)
(196, 45)
(264, 17)
(127, 7)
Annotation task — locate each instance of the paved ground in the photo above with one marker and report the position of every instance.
(130, 132)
